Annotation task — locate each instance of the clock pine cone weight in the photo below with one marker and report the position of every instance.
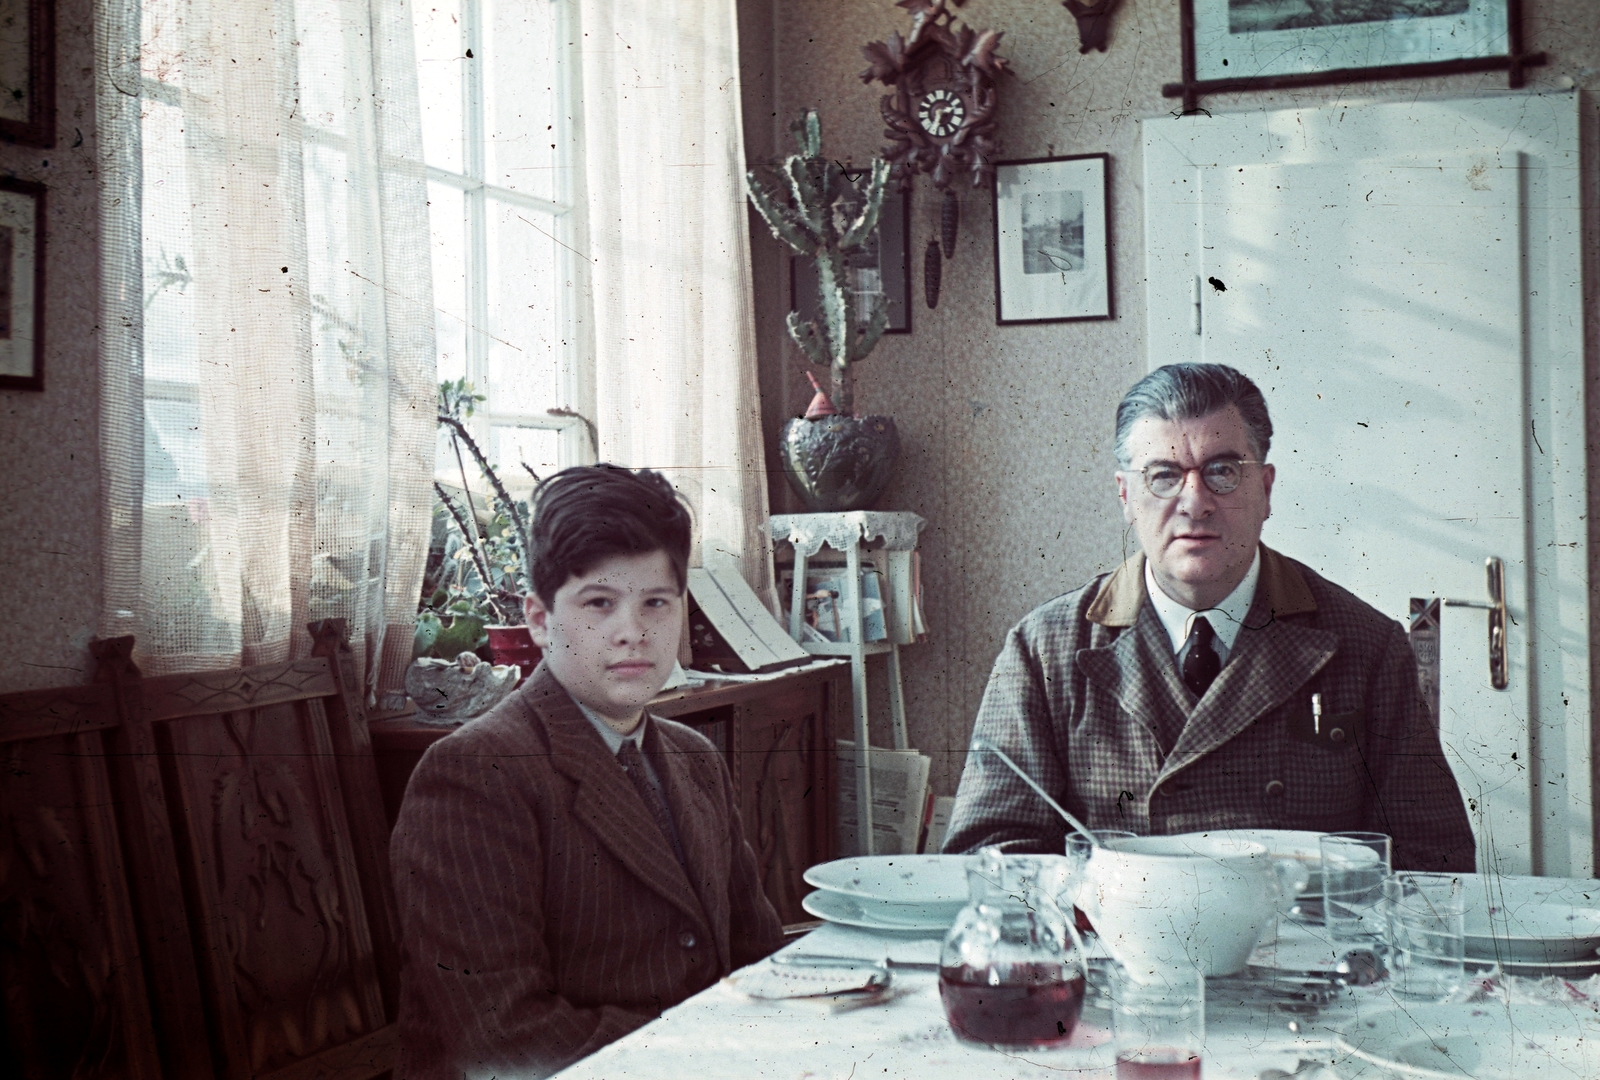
(949, 223)
(932, 272)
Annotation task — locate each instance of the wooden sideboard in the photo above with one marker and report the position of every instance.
(777, 736)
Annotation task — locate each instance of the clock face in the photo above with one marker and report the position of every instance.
(940, 112)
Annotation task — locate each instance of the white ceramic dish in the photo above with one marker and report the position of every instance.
(1446, 1042)
(1531, 921)
(896, 879)
(847, 911)
(1305, 847)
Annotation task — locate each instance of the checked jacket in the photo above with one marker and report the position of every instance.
(1087, 698)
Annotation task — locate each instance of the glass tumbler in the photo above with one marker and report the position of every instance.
(1159, 1023)
(1354, 866)
(1427, 947)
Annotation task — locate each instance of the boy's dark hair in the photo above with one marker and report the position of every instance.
(586, 514)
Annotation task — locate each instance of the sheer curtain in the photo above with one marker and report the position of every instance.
(673, 326)
(268, 407)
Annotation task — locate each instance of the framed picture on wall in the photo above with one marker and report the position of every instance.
(1052, 247)
(881, 265)
(28, 72)
(21, 285)
(1267, 44)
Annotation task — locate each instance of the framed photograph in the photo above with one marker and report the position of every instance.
(881, 265)
(28, 72)
(1052, 250)
(21, 285)
(1267, 44)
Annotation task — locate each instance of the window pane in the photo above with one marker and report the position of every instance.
(169, 336)
(447, 221)
(526, 299)
(538, 448)
(520, 83)
(174, 453)
(439, 73)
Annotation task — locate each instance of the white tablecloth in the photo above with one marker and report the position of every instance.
(720, 1033)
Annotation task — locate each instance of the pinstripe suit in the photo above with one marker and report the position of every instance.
(1086, 696)
(543, 913)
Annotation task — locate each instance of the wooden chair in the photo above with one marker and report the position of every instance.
(282, 850)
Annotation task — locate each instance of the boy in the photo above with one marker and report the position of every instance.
(565, 865)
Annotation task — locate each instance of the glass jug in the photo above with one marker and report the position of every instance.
(1012, 971)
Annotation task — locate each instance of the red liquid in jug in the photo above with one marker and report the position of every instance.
(1038, 1005)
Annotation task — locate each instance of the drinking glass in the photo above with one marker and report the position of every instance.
(1354, 866)
(1159, 1023)
(1078, 851)
(1426, 945)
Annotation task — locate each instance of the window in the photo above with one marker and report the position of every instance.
(497, 118)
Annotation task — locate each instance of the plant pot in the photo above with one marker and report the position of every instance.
(839, 462)
(513, 645)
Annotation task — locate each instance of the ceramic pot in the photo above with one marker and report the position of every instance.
(513, 646)
(839, 462)
(1160, 902)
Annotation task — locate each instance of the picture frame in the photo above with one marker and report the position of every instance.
(1233, 45)
(887, 252)
(28, 72)
(22, 281)
(1052, 241)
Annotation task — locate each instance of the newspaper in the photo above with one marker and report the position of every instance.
(899, 793)
(939, 823)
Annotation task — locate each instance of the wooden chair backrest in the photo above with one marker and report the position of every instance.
(194, 876)
(282, 849)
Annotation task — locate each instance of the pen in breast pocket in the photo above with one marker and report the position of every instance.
(1316, 714)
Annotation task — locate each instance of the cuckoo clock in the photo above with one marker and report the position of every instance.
(941, 110)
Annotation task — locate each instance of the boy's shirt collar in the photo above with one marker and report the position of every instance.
(613, 738)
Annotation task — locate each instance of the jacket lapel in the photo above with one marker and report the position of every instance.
(1137, 670)
(696, 817)
(1271, 659)
(605, 799)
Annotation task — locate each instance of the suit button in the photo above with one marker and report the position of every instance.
(686, 939)
(1336, 735)
(1274, 788)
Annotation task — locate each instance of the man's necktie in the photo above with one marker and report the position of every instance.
(1198, 660)
(632, 763)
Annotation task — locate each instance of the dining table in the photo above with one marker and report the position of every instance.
(902, 1033)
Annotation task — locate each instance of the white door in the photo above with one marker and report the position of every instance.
(1403, 282)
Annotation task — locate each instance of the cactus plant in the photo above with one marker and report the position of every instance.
(824, 216)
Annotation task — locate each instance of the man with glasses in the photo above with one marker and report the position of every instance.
(1209, 682)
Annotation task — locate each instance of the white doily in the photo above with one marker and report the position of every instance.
(808, 532)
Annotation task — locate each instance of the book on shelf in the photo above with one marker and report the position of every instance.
(729, 626)
(899, 797)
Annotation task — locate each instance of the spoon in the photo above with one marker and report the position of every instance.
(1078, 826)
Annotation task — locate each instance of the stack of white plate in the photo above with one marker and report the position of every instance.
(1533, 926)
(1479, 1041)
(919, 894)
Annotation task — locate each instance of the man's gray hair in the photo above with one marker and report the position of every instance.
(1188, 392)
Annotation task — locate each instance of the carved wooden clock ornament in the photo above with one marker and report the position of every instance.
(942, 111)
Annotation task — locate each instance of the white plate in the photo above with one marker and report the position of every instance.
(1435, 1042)
(1543, 921)
(897, 879)
(1306, 847)
(846, 911)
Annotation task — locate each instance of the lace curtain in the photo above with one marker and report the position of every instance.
(669, 261)
(268, 367)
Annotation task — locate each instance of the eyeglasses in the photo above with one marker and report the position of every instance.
(1164, 479)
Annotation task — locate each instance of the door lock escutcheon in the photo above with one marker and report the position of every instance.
(1495, 572)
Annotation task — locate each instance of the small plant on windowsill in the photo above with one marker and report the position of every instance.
(477, 566)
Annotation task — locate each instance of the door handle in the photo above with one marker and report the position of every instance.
(1495, 572)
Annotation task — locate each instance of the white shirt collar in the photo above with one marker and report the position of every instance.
(614, 738)
(1225, 618)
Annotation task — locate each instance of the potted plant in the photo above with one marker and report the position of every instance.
(834, 458)
(477, 568)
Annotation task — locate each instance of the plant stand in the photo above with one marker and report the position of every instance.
(850, 532)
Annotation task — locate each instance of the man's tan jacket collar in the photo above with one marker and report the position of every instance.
(1281, 588)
